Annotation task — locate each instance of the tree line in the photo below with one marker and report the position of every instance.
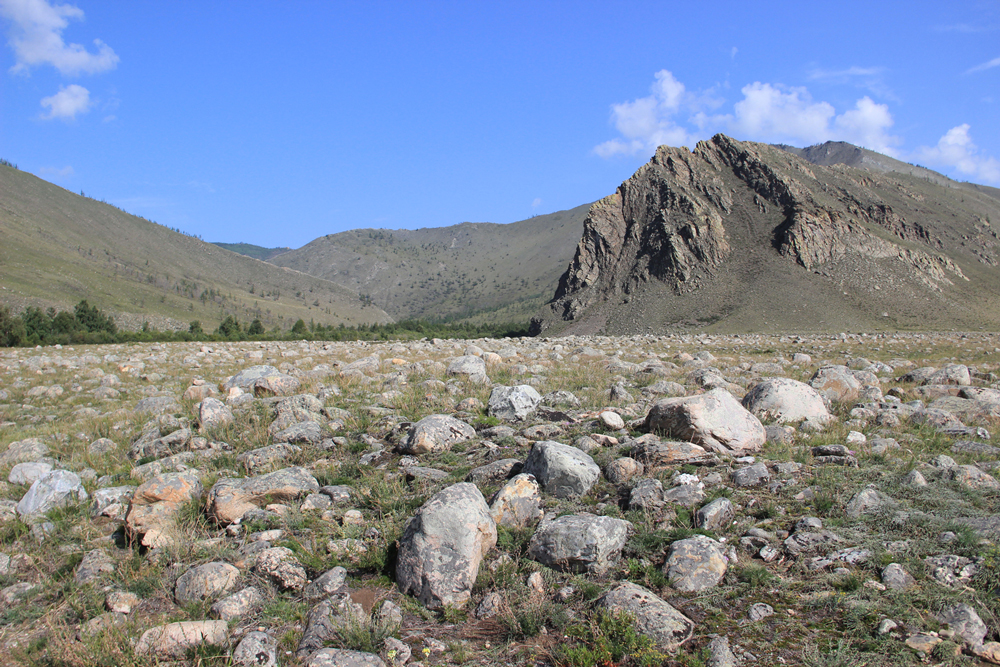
(88, 325)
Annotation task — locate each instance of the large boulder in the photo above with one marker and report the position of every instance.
(58, 488)
(562, 470)
(176, 640)
(29, 449)
(155, 503)
(695, 563)
(658, 453)
(436, 433)
(229, 499)
(213, 413)
(513, 403)
(443, 544)
(579, 543)
(837, 383)
(715, 420)
(786, 400)
(654, 617)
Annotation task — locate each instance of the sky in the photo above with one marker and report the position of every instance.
(276, 123)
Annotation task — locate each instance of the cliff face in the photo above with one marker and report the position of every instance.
(702, 235)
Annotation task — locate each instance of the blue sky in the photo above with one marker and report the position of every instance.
(275, 123)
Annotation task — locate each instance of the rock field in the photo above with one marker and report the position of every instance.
(655, 500)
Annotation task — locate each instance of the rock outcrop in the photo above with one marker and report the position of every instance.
(753, 234)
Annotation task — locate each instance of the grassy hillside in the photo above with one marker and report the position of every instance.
(57, 248)
(251, 250)
(480, 272)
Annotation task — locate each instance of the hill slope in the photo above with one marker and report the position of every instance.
(483, 271)
(57, 248)
(251, 250)
(738, 236)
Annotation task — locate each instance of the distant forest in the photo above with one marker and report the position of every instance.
(88, 325)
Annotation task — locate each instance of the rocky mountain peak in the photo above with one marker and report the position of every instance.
(707, 224)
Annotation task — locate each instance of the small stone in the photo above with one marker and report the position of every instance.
(760, 611)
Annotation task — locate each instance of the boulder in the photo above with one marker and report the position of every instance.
(229, 499)
(468, 366)
(205, 581)
(282, 567)
(435, 434)
(237, 605)
(654, 617)
(716, 515)
(836, 383)
(965, 622)
(19, 451)
(342, 657)
(443, 544)
(562, 470)
(622, 470)
(513, 403)
(579, 543)
(494, 472)
(256, 649)
(518, 503)
(213, 413)
(29, 472)
(714, 420)
(155, 503)
(58, 488)
(695, 563)
(176, 640)
(657, 453)
(786, 400)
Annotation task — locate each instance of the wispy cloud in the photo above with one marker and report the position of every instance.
(966, 27)
(989, 64)
(67, 103)
(536, 202)
(868, 78)
(956, 150)
(36, 37)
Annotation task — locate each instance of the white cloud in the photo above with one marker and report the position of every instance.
(36, 37)
(67, 103)
(770, 113)
(957, 151)
(536, 202)
(984, 66)
(647, 122)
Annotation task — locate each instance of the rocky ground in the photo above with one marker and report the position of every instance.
(678, 500)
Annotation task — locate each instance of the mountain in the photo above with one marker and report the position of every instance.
(251, 250)
(480, 271)
(57, 248)
(738, 236)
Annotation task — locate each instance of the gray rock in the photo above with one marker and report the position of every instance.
(656, 453)
(952, 374)
(442, 546)
(964, 621)
(205, 582)
(971, 477)
(306, 432)
(327, 619)
(101, 446)
(760, 611)
(714, 420)
(175, 640)
(256, 460)
(786, 400)
(29, 472)
(621, 470)
(339, 657)
(579, 543)
(695, 563)
(213, 413)
(754, 475)
(158, 405)
(283, 568)
(654, 617)
(719, 653)
(716, 515)
(19, 451)
(978, 448)
(518, 503)
(256, 649)
(237, 605)
(471, 367)
(560, 399)
(562, 470)
(513, 403)
(647, 496)
(801, 544)
(489, 606)
(436, 433)
(327, 584)
(686, 495)
(155, 503)
(896, 578)
(779, 433)
(837, 383)
(914, 478)
(58, 488)
(869, 500)
(229, 499)
(94, 564)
